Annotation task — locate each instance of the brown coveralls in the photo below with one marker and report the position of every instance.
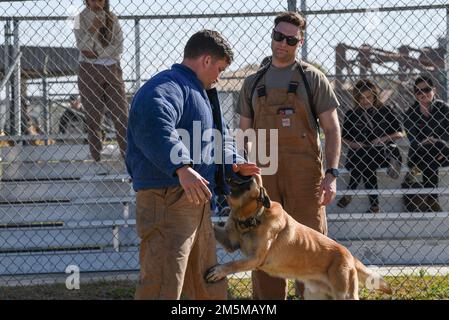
(297, 182)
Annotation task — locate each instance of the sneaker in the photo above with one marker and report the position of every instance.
(394, 169)
(374, 209)
(344, 201)
(433, 204)
(409, 180)
(414, 171)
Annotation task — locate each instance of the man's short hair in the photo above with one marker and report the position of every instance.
(294, 18)
(208, 42)
(425, 79)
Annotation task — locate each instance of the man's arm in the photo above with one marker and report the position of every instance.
(245, 123)
(331, 128)
(152, 122)
(332, 136)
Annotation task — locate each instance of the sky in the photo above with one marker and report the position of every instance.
(162, 40)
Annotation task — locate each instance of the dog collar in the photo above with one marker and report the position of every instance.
(254, 220)
(250, 223)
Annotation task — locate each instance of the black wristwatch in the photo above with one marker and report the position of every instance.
(333, 171)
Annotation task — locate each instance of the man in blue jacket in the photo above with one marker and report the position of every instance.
(173, 173)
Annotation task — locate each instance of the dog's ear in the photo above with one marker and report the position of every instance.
(265, 198)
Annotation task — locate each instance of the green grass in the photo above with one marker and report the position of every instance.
(99, 290)
(417, 287)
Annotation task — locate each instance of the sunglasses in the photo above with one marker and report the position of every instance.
(291, 41)
(423, 90)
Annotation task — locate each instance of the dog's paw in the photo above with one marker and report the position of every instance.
(215, 274)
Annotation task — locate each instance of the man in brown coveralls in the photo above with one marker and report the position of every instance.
(277, 97)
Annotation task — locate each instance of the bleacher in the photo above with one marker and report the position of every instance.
(58, 208)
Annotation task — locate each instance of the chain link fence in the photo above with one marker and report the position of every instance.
(60, 208)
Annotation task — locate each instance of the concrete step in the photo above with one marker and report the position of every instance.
(58, 169)
(385, 252)
(87, 260)
(55, 152)
(385, 182)
(401, 252)
(395, 226)
(107, 209)
(99, 255)
(381, 253)
(402, 225)
(103, 234)
(345, 227)
(390, 200)
(51, 190)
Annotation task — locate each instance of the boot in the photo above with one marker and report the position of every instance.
(432, 203)
(415, 171)
(374, 209)
(344, 201)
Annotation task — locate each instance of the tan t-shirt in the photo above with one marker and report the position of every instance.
(324, 97)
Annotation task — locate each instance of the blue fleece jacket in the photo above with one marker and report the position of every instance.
(169, 110)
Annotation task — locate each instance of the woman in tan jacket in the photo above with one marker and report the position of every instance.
(100, 41)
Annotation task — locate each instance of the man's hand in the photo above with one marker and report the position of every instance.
(194, 185)
(89, 54)
(246, 169)
(328, 190)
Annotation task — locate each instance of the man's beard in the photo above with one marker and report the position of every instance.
(284, 57)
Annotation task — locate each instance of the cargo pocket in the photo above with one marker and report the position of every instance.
(176, 198)
(150, 210)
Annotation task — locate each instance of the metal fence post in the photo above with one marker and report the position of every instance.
(17, 128)
(137, 54)
(304, 45)
(46, 106)
(447, 55)
(291, 6)
(7, 63)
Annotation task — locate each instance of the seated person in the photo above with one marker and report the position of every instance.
(72, 120)
(31, 126)
(427, 128)
(369, 130)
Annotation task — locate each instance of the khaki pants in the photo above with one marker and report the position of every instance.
(102, 89)
(177, 247)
